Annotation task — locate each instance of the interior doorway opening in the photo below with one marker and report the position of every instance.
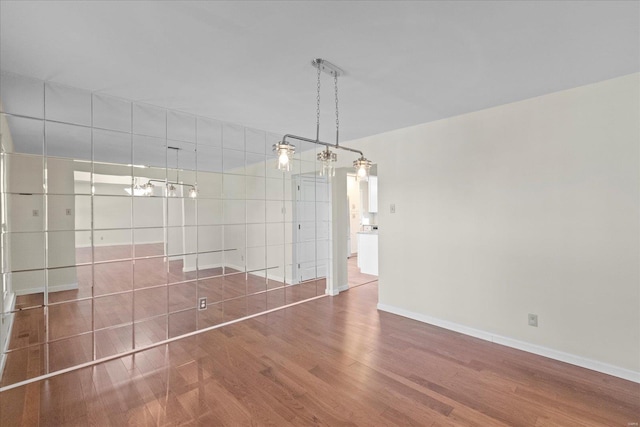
(362, 240)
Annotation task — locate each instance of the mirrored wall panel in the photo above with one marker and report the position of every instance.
(125, 224)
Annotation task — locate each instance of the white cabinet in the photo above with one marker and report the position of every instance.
(368, 252)
(373, 194)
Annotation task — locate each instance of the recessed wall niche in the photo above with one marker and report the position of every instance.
(119, 217)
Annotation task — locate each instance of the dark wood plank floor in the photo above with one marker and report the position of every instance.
(354, 276)
(135, 304)
(332, 361)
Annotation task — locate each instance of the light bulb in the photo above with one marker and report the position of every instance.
(284, 158)
(362, 166)
(284, 152)
(193, 193)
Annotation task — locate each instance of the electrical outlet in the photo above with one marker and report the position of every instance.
(202, 303)
(69, 212)
(533, 320)
(392, 208)
(36, 212)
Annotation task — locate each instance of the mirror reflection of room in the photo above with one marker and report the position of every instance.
(125, 224)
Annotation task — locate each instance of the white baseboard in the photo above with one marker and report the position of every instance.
(572, 359)
(263, 273)
(336, 291)
(56, 288)
(332, 293)
(259, 273)
(202, 267)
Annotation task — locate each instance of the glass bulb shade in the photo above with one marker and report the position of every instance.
(284, 166)
(171, 190)
(327, 158)
(148, 189)
(284, 152)
(193, 193)
(327, 170)
(362, 166)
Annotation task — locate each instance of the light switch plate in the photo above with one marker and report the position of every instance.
(392, 208)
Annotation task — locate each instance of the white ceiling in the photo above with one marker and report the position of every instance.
(249, 62)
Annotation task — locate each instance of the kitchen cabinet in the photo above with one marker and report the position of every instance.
(368, 252)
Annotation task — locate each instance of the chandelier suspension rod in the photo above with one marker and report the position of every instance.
(318, 107)
(326, 144)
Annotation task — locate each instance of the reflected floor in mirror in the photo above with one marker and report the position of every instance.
(331, 361)
(134, 307)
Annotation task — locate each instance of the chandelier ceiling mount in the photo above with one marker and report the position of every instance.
(284, 150)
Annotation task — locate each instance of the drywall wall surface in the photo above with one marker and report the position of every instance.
(530, 207)
(339, 280)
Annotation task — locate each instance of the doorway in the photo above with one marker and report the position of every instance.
(362, 260)
(311, 219)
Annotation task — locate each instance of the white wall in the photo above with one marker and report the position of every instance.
(530, 207)
(338, 278)
(26, 221)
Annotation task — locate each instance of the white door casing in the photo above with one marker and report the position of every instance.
(311, 218)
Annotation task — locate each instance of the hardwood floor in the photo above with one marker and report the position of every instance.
(331, 361)
(355, 276)
(124, 304)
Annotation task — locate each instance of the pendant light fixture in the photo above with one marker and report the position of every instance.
(285, 151)
(170, 186)
(138, 190)
(148, 189)
(328, 158)
(171, 190)
(362, 166)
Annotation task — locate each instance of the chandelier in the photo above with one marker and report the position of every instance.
(171, 191)
(285, 151)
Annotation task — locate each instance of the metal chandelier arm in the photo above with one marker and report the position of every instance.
(171, 182)
(285, 151)
(326, 144)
